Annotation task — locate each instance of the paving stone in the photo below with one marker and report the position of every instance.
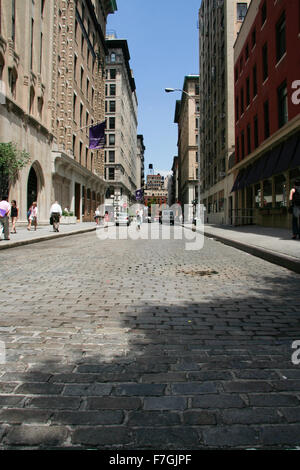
(19, 416)
(102, 436)
(170, 438)
(280, 434)
(193, 417)
(234, 436)
(42, 436)
(165, 403)
(193, 388)
(251, 416)
(218, 401)
(106, 417)
(153, 418)
(113, 403)
(139, 389)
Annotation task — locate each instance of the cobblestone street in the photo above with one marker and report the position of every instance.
(141, 344)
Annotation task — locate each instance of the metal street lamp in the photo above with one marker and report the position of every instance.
(171, 90)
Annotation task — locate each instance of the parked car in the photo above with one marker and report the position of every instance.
(166, 216)
(122, 218)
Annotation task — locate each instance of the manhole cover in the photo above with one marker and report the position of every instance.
(206, 272)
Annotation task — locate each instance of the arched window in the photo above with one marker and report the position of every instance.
(12, 80)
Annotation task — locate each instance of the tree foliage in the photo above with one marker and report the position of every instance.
(12, 160)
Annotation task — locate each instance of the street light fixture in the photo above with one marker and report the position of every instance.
(171, 90)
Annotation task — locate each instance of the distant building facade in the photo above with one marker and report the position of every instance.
(219, 24)
(187, 116)
(267, 112)
(122, 167)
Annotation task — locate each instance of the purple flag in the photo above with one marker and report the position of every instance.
(97, 136)
(139, 194)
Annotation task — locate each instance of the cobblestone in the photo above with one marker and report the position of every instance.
(111, 344)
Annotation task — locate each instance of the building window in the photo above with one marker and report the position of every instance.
(113, 57)
(31, 44)
(112, 123)
(12, 79)
(74, 106)
(111, 156)
(267, 193)
(75, 66)
(254, 75)
(282, 105)
(81, 77)
(111, 139)
(112, 74)
(255, 122)
(248, 139)
(247, 91)
(242, 101)
(280, 191)
(280, 37)
(265, 61)
(264, 13)
(81, 112)
(241, 11)
(111, 173)
(13, 21)
(112, 106)
(112, 89)
(253, 37)
(237, 108)
(266, 119)
(247, 52)
(243, 144)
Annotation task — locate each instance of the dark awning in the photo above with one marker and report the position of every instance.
(296, 158)
(259, 170)
(242, 181)
(237, 180)
(286, 155)
(272, 162)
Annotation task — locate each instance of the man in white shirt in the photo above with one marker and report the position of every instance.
(55, 213)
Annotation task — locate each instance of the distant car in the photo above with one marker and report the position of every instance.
(166, 216)
(122, 218)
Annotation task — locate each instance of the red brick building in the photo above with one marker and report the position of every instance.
(267, 111)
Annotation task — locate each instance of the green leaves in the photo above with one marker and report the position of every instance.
(12, 161)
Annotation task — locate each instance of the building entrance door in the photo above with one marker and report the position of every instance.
(32, 187)
(77, 200)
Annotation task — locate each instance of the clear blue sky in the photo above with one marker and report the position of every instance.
(162, 38)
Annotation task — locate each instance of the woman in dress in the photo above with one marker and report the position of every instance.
(33, 216)
(14, 213)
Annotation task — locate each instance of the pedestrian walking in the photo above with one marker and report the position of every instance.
(32, 220)
(97, 216)
(14, 213)
(295, 204)
(55, 214)
(106, 219)
(138, 220)
(4, 216)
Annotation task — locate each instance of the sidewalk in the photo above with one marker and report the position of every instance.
(272, 244)
(44, 232)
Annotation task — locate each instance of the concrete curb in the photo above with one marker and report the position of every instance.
(45, 238)
(282, 260)
(285, 261)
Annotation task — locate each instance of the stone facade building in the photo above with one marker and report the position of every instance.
(219, 24)
(52, 64)
(186, 116)
(121, 168)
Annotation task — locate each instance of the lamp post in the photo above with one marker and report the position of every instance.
(171, 90)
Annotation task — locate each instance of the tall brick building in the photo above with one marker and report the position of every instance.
(267, 113)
